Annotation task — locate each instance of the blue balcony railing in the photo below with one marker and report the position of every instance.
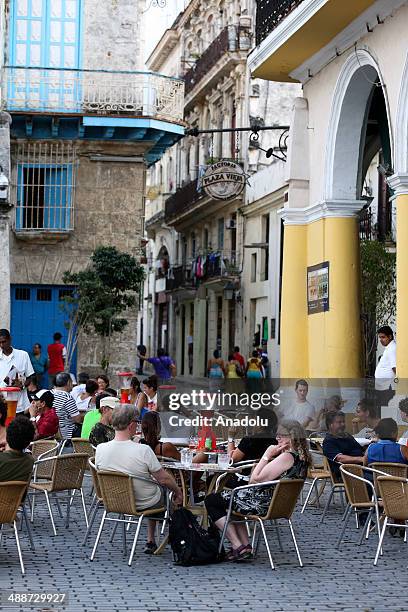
(97, 92)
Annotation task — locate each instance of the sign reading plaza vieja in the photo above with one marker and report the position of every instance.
(224, 180)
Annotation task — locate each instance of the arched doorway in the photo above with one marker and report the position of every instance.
(359, 161)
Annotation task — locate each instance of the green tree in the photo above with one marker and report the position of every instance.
(103, 292)
(378, 288)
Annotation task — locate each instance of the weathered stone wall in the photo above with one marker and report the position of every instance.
(108, 211)
(112, 37)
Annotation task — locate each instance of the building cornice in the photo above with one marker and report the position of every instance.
(284, 31)
(267, 202)
(371, 18)
(162, 50)
(329, 209)
(399, 184)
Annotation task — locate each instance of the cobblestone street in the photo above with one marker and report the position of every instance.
(330, 580)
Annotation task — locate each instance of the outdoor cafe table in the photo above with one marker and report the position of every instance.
(209, 469)
(206, 468)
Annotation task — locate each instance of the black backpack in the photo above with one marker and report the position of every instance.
(190, 543)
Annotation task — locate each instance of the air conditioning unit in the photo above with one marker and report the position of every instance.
(230, 224)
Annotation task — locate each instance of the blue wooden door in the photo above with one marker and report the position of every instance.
(36, 314)
(45, 34)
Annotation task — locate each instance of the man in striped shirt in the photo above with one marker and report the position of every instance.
(65, 405)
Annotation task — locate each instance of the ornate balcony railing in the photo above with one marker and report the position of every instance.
(182, 200)
(179, 276)
(92, 92)
(232, 38)
(221, 263)
(269, 14)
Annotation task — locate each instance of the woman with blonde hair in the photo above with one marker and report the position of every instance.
(289, 458)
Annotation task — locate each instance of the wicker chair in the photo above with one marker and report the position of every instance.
(394, 495)
(359, 499)
(41, 449)
(336, 487)
(118, 497)
(97, 502)
(82, 445)
(11, 497)
(283, 501)
(67, 475)
(400, 470)
(317, 475)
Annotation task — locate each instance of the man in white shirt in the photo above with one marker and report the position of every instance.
(300, 409)
(386, 369)
(14, 363)
(83, 377)
(124, 455)
(387, 366)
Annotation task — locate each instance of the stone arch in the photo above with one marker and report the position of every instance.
(401, 126)
(348, 120)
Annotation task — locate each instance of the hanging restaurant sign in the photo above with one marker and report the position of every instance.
(224, 180)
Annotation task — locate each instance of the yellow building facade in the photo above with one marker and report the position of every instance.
(352, 61)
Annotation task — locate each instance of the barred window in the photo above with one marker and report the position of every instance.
(44, 186)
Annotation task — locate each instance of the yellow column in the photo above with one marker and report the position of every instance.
(335, 342)
(402, 288)
(294, 337)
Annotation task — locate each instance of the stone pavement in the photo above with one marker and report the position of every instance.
(330, 580)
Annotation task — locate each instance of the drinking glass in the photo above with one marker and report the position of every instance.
(186, 457)
(224, 461)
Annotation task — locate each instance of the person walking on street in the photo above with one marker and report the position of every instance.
(240, 358)
(57, 354)
(254, 366)
(141, 352)
(216, 366)
(215, 370)
(39, 363)
(164, 366)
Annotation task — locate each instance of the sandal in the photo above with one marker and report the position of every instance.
(239, 554)
(150, 548)
(243, 553)
(230, 555)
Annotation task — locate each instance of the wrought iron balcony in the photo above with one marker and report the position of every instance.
(221, 263)
(92, 92)
(182, 200)
(180, 276)
(232, 38)
(269, 14)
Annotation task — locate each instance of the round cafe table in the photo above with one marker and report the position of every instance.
(209, 469)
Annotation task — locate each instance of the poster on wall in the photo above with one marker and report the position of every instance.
(318, 288)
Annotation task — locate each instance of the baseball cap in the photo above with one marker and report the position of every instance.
(45, 396)
(111, 402)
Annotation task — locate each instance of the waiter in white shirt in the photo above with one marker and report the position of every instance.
(386, 369)
(14, 363)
